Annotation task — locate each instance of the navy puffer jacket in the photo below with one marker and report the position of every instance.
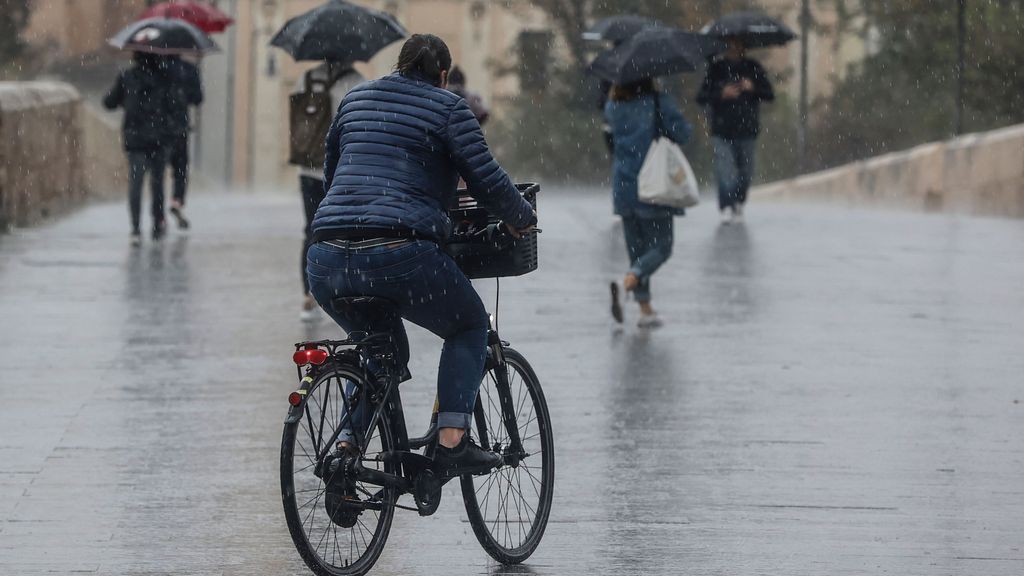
(395, 152)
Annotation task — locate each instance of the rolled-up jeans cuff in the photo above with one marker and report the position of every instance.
(454, 420)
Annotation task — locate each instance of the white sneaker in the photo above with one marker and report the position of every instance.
(737, 214)
(649, 321)
(727, 217)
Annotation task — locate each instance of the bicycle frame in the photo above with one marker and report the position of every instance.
(360, 350)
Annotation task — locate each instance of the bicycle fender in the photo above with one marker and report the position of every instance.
(295, 412)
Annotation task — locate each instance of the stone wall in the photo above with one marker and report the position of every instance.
(40, 165)
(105, 163)
(974, 174)
(55, 152)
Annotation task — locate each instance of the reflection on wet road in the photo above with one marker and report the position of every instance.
(834, 393)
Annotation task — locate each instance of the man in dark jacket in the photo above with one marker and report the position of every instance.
(142, 91)
(186, 90)
(733, 89)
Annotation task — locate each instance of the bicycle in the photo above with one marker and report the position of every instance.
(327, 489)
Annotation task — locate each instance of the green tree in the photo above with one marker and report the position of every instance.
(904, 92)
(553, 129)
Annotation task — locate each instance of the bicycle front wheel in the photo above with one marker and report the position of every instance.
(339, 525)
(509, 507)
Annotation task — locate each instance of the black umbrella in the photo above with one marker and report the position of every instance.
(338, 31)
(754, 29)
(618, 29)
(655, 52)
(163, 36)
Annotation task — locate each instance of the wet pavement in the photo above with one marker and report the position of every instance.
(835, 392)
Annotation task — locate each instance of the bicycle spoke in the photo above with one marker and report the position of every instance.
(536, 482)
(310, 501)
(324, 540)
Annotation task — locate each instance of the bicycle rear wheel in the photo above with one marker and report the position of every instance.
(509, 507)
(349, 544)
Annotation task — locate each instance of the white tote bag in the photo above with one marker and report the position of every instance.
(666, 178)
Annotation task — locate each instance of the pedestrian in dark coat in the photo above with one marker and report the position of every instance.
(457, 86)
(143, 92)
(336, 78)
(733, 90)
(186, 90)
(634, 112)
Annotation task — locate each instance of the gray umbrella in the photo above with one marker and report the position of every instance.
(618, 29)
(163, 36)
(754, 29)
(654, 52)
(338, 31)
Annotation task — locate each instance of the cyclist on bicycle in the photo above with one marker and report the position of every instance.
(395, 152)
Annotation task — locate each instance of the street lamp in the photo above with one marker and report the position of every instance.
(961, 40)
(801, 132)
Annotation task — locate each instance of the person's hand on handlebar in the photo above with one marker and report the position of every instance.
(518, 233)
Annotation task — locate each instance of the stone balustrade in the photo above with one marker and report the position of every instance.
(40, 160)
(975, 174)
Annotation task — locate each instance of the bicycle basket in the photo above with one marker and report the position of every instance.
(495, 255)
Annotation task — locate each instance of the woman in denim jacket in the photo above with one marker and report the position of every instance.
(632, 113)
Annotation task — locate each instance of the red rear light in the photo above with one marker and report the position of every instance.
(295, 398)
(317, 356)
(311, 356)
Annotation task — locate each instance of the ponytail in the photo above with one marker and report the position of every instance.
(426, 56)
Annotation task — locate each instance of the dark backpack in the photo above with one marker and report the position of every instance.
(310, 116)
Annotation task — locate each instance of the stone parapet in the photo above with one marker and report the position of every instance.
(975, 174)
(105, 163)
(40, 161)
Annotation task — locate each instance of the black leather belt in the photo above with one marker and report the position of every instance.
(364, 243)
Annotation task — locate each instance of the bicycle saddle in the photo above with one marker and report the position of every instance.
(363, 309)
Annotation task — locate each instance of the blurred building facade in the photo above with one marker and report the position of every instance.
(254, 80)
(242, 128)
(834, 42)
(73, 28)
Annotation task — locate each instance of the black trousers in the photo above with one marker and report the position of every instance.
(139, 163)
(177, 154)
(312, 195)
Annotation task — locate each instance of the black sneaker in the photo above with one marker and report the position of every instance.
(159, 231)
(616, 306)
(179, 216)
(465, 458)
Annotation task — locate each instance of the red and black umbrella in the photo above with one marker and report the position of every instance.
(199, 14)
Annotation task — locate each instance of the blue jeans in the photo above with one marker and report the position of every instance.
(430, 291)
(649, 243)
(734, 169)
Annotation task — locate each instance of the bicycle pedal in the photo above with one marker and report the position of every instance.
(427, 492)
